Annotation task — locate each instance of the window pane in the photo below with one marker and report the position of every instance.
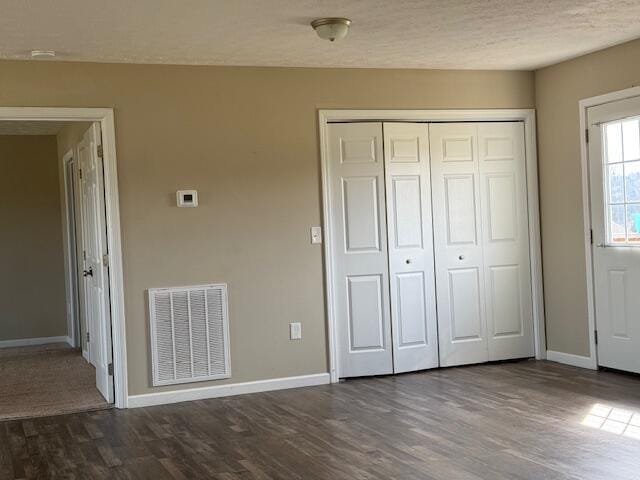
(633, 223)
(632, 181)
(616, 185)
(614, 142)
(631, 136)
(616, 223)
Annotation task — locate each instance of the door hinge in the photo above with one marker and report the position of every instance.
(84, 255)
(100, 151)
(88, 338)
(105, 260)
(591, 236)
(586, 135)
(595, 335)
(110, 369)
(80, 173)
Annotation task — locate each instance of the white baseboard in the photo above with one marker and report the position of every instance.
(163, 398)
(573, 360)
(27, 342)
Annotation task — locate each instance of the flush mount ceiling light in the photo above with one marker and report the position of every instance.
(43, 53)
(331, 28)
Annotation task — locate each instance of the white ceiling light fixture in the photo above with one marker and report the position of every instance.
(331, 28)
(43, 54)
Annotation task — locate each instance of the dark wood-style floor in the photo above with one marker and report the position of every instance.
(525, 420)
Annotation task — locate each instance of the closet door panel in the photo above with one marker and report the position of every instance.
(465, 304)
(411, 268)
(359, 245)
(507, 274)
(459, 262)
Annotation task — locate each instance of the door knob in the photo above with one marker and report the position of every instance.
(88, 273)
(461, 257)
(407, 261)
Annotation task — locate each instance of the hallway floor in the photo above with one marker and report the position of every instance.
(46, 380)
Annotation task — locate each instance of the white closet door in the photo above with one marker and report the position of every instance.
(359, 249)
(483, 278)
(410, 238)
(505, 240)
(460, 287)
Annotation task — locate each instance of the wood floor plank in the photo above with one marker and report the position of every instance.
(510, 421)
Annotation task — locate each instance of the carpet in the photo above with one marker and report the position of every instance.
(46, 380)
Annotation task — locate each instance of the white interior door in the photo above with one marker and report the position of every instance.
(410, 239)
(96, 273)
(614, 167)
(462, 325)
(359, 249)
(483, 280)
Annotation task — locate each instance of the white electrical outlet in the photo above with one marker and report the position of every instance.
(295, 331)
(316, 235)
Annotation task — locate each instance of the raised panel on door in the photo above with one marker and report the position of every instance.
(460, 209)
(506, 318)
(459, 262)
(406, 211)
(411, 269)
(412, 314)
(365, 314)
(617, 286)
(465, 305)
(505, 240)
(359, 249)
(360, 207)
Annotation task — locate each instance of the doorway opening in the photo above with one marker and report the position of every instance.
(61, 322)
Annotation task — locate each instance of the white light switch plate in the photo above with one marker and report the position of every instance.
(295, 331)
(316, 235)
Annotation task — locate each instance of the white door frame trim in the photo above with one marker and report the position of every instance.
(106, 118)
(70, 268)
(525, 115)
(584, 105)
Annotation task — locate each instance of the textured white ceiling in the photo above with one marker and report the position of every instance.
(30, 127)
(468, 34)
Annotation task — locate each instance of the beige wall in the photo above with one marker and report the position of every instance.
(558, 90)
(32, 295)
(247, 139)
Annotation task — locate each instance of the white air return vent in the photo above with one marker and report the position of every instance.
(189, 334)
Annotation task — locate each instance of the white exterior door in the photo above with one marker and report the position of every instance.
(481, 242)
(410, 239)
(614, 167)
(359, 249)
(96, 273)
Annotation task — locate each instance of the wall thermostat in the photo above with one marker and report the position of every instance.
(187, 198)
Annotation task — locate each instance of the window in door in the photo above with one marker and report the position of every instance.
(622, 181)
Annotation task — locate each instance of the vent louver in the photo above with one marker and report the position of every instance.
(189, 334)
